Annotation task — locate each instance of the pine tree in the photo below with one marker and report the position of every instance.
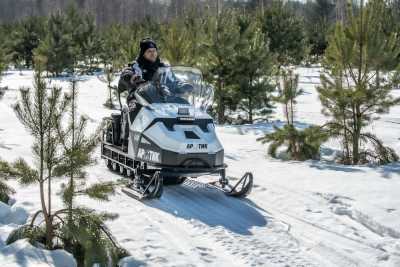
(300, 144)
(83, 232)
(219, 48)
(358, 84)
(85, 39)
(285, 33)
(107, 78)
(3, 61)
(176, 43)
(194, 25)
(113, 47)
(58, 48)
(131, 37)
(6, 172)
(253, 67)
(319, 17)
(38, 111)
(24, 39)
(288, 91)
(62, 151)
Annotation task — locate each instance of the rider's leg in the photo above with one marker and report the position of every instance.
(125, 128)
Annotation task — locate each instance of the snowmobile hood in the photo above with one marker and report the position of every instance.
(170, 110)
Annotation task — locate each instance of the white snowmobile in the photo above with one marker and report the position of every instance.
(171, 137)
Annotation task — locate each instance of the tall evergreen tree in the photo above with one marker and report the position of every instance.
(176, 43)
(24, 39)
(358, 86)
(195, 26)
(319, 17)
(4, 59)
(131, 36)
(112, 52)
(253, 67)
(219, 48)
(90, 43)
(285, 33)
(58, 48)
(85, 38)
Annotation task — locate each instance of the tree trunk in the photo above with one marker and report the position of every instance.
(221, 112)
(110, 92)
(356, 136)
(221, 106)
(250, 110)
(287, 114)
(356, 152)
(40, 98)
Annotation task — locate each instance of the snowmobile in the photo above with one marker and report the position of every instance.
(171, 137)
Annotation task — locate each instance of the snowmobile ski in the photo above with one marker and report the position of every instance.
(153, 189)
(241, 189)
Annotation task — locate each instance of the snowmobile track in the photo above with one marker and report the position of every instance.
(229, 224)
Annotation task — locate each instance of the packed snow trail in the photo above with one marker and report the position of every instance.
(311, 213)
(204, 227)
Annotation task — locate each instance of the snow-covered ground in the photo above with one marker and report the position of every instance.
(313, 213)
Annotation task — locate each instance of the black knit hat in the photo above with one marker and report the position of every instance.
(145, 44)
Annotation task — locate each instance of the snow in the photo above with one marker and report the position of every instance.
(21, 253)
(312, 213)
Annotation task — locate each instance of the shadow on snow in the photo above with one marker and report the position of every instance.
(195, 201)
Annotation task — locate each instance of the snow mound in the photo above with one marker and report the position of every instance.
(14, 214)
(22, 253)
(130, 262)
(18, 215)
(5, 211)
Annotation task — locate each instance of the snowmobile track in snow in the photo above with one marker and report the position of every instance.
(232, 225)
(305, 231)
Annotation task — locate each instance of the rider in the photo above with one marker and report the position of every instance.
(141, 70)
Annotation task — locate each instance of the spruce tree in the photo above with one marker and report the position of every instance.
(362, 69)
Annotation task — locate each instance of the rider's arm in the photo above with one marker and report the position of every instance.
(130, 76)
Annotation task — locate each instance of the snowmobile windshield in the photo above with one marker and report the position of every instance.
(178, 85)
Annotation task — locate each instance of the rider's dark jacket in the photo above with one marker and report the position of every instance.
(143, 69)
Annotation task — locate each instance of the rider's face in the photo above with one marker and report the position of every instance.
(151, 54)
